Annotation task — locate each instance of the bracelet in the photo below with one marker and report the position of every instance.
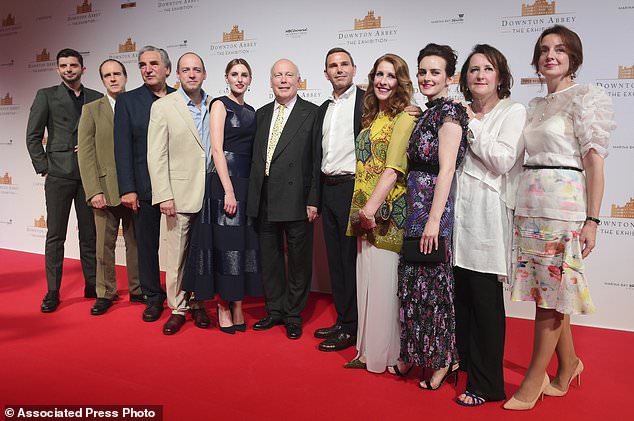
(595, 220)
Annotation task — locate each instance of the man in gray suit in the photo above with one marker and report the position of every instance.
(57, 109)
(284, 196)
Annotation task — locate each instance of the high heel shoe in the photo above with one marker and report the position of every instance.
(228, 329)
(451, 371)
(242, 327)
(515, 404)
(551, 390)
(395, 370)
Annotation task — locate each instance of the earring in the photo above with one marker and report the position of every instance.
(499, 87)
(249, 89)
(573, 75)
(227, 88)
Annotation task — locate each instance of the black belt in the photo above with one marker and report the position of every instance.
(332, 180)
(423, 167)
(551, 167)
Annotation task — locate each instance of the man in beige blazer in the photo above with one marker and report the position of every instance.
(99, 178)
(177, 157)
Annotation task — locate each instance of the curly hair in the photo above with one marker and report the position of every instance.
(497, 59)
(398, 101)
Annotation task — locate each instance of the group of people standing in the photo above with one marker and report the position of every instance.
(509, 194)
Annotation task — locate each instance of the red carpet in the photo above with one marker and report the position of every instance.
(70, 357)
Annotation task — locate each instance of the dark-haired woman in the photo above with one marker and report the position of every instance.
(485, 198)
(224, 253)
(558, 204)
(426, 291)
(377, 212)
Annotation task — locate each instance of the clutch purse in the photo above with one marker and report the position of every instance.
(411, 251)
(381, 218)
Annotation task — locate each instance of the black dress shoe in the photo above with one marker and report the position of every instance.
(153, 312)
(343, 340)
(137, 298)
(266, 323)
(50, 302)
(200, 317)
(293, 330)
(173, 324)
(90, 292)
(328, 332)
(101, 306)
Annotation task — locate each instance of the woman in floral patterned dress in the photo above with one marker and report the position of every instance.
(426, 291)
(556, 215)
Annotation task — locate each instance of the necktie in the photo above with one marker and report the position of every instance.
(278, 126)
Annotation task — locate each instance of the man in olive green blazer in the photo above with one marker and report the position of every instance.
(99, 177)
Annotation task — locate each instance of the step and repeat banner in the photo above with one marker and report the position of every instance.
(32, 32)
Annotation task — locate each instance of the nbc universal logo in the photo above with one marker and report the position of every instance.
(9, 26)
(535, 17)
(84, 14)
(7, 187)
(622, 86)
(43, 62)
(367, 31)
(126, 52)
(7, 106)
(233, 43)
(170, 6)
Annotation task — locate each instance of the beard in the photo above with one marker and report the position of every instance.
(71, 80)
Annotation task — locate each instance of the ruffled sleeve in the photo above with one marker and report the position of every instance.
(593, 118)
(455, 113)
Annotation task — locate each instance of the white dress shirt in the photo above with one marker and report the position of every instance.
(485, 190)
(287, 112)
(338, 135)
(112, 101)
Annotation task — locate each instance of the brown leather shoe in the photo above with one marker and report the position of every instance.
(173, 324)
(200, 317)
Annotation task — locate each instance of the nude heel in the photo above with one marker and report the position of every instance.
(515, 404)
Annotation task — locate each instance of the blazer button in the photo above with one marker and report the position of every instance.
(290, 183)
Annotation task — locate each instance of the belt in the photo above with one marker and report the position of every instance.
(332, 180)
(551, 167)
(423, 167)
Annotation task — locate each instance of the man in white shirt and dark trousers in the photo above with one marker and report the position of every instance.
(340, 118)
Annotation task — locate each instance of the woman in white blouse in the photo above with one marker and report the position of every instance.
(556, 214)
(485, 198)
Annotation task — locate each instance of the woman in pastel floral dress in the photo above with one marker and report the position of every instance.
(558, 204)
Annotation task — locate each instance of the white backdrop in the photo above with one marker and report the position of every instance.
(303, 33)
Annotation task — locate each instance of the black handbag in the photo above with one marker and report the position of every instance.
(411, 251)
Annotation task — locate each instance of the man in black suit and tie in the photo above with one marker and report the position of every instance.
(58, 109)
(284, 196)
(339, 125)
(131, 120)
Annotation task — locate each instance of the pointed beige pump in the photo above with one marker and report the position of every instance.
(515, 404)
(553, 391)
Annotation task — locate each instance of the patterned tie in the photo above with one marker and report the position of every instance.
(278, 126)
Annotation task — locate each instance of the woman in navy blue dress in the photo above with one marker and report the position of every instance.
(224, 254)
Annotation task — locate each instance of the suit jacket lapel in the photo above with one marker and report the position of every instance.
(294, 122)
(186, 115)
(105, 110)
(267, 116)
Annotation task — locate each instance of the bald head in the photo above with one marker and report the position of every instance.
(284, 80)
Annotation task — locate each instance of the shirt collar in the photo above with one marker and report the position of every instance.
(111, 100)
(189, 101)
(347, 94)
(288, 105)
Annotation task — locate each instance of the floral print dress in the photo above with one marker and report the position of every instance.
(426, 291)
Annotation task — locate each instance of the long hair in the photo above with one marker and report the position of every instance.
(401, 97)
